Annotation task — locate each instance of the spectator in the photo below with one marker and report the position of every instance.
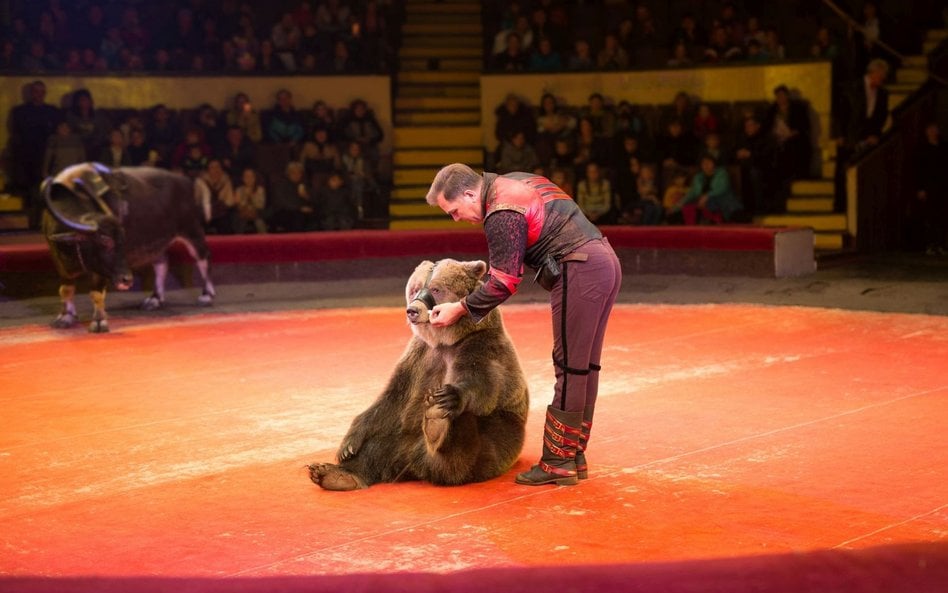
(192, 154)
(710, 198)
(321, 116)
(31, 124)
(251, 200)
(285, 36)
(755, 54)
(867, 39)
(930, 210)
(681, 56)
(39, 59)
(564, 180)
(521, 30)
(340, 61)
(677, 149)
(285, 125)
(244, 116)
(594, 195)
(332, 17)
(185, 40)
(682, 109)
(64, 148)
(91, 125)
(629, 122)
(581, 58)
(163, 133)
(338, 211)
(140, 152)
(513, 115)
(237, 153)
(601, 117)
(720, 48)
(115, 154)
(788, 123)
(268, 61)
(223, 217)
(647, 39)
(135, 37)
(110, 47)
(712, 146)
(691, 35)
(361, 126)
(627, 189)
(209, 121)
(291, 206)
(516, 155)
(552, 123)
(773, 49)
(564, 157)
(545, 58)
(674, 194)
(649, 204)
(558, 29)
(320, 157)
(512, 58)
(612, 56)
(705, 122)
(92, 26)
(590, 148)
(360, 177)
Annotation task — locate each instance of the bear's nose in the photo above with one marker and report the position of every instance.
(412, 314)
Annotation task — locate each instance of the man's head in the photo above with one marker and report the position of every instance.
(877, 71)
(456, 189)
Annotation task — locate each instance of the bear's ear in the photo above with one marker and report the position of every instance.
(475, 269)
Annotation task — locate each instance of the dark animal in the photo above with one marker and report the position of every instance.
(105, 223)
(455, 406)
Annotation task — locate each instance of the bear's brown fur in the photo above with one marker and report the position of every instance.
(455, 407)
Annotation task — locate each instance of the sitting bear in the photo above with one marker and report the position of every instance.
(455, 406)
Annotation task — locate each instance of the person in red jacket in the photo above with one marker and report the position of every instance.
(528, 220)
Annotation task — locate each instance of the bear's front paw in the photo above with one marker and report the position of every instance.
(348, 449)
(444, 402)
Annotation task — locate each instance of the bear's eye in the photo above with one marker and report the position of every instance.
(435, 290)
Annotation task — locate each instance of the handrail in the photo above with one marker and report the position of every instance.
(852, 23)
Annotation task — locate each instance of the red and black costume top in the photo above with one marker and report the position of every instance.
(525, 228)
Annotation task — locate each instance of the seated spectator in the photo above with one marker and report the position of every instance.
(928, 212)
(710, 198)
(627, 189)
(361, 126)
(788, 123)
(251, 201)
(192, 153)
(681, 56)
(516, 155)
(674, 194)
(677, 148)
(705, 122)
(594, 195)
(221, 211)
(341, 61)
(140, 152)
(521, 30)
(564, 180)
(712, 146)
(208, 120)
(824, 45)
(602, 117)
(513, 58)
(754, 52)
(682, 109)
(772, 48)
(320, 157)
(649, 206)
(580, 59)
(115, 153)
(590, 148)
(612, 56)
(244, 116)
(285, 36)
(90, 124)
(720, 48)
(691, 35)
(163, 133)
(267, 61)
(321, 116)
(64, 148)
(564, 157)
(629, 122)
(285, 123)
(338, 211)
(545, 58)
(513, 115)
(360, 177)
(291, 205)
(552, 123)
(237, 153)
(332, 17)
(646, 39)
(754, 155)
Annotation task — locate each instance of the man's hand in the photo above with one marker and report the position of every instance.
(446, 314)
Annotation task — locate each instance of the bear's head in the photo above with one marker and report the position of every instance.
(433, 283)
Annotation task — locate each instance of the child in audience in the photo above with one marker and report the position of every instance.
(674, 194)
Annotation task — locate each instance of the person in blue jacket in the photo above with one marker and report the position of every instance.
(711, 197)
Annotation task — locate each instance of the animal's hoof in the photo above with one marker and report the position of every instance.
(205, 300)
(99, 327)
(63, 322)
(151, 304)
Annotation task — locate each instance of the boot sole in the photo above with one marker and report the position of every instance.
(558, 481)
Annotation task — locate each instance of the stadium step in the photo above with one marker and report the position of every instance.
(437, 137)
(419, 103)
(14, 221)
(422, 157)
(439, 117)
(472, 26)
(434, 64)
(429, 90)
(441, 51)
(440, 77)
(10, 203)
(818, 221)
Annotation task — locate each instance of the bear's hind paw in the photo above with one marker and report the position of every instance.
(333, 477)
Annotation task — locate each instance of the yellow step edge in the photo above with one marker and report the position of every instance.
(413, 209)
(441, 76)
(437, 136)
(437, 157)
(440, 51)
(820, 187)
(474, 28)
(11, 203)
(409, 193)
(450, 64)
(818, 222)
(407, 103)
(828, 241)
(414, 176)
(442, 118)
(796, 204)
(446, 7)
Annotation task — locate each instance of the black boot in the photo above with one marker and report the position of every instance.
(557, 465)
(582, 470)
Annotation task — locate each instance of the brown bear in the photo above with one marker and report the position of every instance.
(455, 406)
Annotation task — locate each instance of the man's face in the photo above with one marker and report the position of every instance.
(466, 207)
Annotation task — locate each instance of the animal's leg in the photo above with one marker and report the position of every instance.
(333, 477)
(100, 321)
(157, 298)
(207, 296)
(67, 315)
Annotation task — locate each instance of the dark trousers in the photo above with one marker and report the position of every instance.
(581, 301)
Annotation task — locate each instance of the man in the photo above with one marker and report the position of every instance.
(31, 125)
(529, 220)
(860, 116)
